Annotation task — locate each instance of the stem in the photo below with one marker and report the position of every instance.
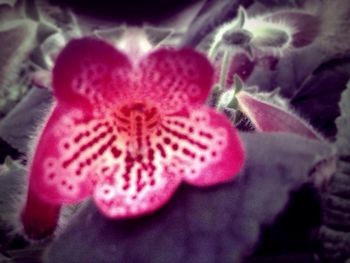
(224, 68)
(39, 218)
(212, 50)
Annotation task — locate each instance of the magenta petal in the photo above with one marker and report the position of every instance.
(176, 79)
(212, 151)
(201, 147)
(116, 200)
(58, 170)
(89, 72)
(270, 118)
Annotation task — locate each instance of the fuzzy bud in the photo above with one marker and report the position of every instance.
(268, 117)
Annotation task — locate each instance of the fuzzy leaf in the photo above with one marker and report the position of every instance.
(267, 117)
(236, 37)
(211, 15)
(343, 123)
(306, 27)
(270, 38)
(216, 224)
(336, 229)
(12, 187)
(311, 80)
(290, 72)
(18, 127)
(8, 2)
(18, 38)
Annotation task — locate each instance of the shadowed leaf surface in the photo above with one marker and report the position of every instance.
(12, 182)
(211, 15)
(317, 98)
(291, 71)
(336, 202)
(19, 38)
(216, 224)
(312, 81)
(19, 126)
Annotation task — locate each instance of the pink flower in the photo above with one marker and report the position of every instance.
(129, 132)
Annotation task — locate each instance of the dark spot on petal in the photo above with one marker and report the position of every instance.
(175, 146)
(167, 140)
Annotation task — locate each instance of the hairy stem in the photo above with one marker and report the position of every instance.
(224, 68)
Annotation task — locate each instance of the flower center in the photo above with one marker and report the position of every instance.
(136, 122)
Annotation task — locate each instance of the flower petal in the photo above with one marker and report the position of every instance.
(201, 147)
(71, 147)
(176, 79)
(204, 148)
(140, 178)
(89, 72)
(140, 199)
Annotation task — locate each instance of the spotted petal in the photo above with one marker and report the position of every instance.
(152, 188)
(201, 148)
(55, 174)
(220, 157)
(90, 73)
(176, 79)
